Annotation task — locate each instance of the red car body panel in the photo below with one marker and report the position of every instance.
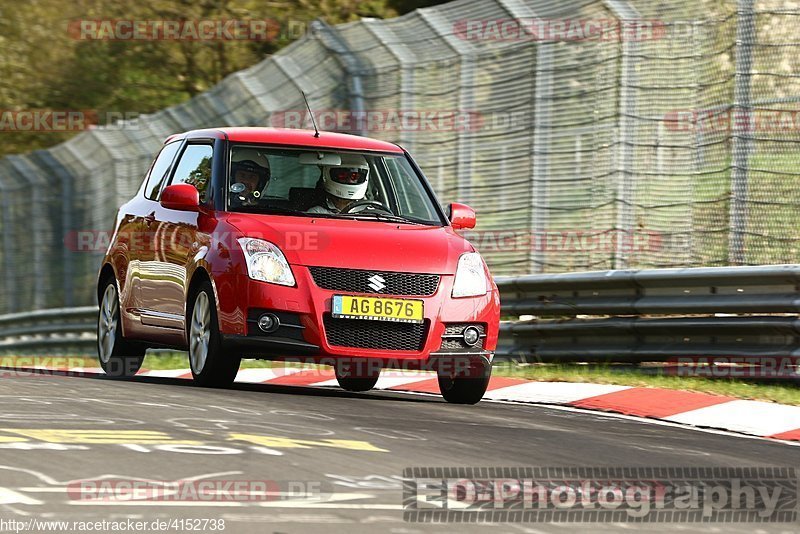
(297, 138)
(157, 253)
(341, 243)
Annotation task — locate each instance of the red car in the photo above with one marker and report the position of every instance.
(287, 244)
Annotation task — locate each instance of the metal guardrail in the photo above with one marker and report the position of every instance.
(618, 316)
(652, 315)
(54, 330)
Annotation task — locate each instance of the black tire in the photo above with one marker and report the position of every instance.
(357, 375)
(118, 356)
(465, 386)
(215, 369)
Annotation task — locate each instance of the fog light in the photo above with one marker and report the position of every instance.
(268, 323)
(471, 336)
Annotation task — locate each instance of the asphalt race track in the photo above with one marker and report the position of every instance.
(345, 451)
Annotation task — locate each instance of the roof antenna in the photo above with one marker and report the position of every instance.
(314, 122)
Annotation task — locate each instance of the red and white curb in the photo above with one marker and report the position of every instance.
(702, 410)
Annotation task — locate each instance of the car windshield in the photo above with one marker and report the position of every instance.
(368, 186)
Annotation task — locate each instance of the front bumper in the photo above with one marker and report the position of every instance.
(265, 345)
(312, 304)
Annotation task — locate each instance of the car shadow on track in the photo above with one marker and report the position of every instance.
(237, 386)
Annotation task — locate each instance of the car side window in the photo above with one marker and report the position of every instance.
(194, 168)
(159, 169)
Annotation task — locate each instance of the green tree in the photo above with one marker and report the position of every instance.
(43, 65)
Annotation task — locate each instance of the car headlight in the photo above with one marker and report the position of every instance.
(470, 276)
(266, 262)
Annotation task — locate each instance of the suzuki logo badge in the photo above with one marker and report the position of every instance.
(376, 282)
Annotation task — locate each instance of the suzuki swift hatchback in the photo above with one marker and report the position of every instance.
(286, 244)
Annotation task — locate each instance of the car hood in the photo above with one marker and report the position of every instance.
(357, 244)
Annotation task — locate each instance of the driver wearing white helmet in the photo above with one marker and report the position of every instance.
(344, 184)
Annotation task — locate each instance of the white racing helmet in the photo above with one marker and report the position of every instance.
(349, 180)
(251, 160)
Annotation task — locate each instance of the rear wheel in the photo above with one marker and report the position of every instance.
(357, 375)
(118, 356)
(465, 385)
(210, 366)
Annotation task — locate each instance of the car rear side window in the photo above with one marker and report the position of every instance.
(159, 169)
(194, 168)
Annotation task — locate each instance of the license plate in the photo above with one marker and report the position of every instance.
(379, 309)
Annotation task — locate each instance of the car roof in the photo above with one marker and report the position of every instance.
(292, 137)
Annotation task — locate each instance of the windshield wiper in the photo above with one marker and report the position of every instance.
(385, 217)
(272, 210)
(275, 210)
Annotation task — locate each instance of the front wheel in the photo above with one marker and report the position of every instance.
(465, 386)
(210, 366)
(118, 356)
(357, 375)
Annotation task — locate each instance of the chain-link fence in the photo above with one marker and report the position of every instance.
(587, 134)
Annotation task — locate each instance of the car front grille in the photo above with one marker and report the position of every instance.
(452, 340)
(388, 283)
(368, 334)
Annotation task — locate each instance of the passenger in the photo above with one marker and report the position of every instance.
(248, 182)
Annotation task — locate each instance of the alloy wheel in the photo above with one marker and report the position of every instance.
(108, 320)
(200, 332)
